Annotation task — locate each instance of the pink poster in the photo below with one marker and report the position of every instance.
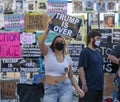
(10, 45)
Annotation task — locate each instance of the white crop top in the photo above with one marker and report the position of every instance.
(55, 68)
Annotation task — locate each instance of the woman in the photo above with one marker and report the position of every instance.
(58, 71)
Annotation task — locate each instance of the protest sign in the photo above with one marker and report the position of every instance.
(10, 45)
(65, 24)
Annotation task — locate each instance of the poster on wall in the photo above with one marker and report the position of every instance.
(106, 49)
(65, 24)
(31, 51)
(29, 6)
(89, 5)
(35, 21)
(19, 6)
(10, 45)
(27, 38)
(100, 6)
(42, 6)
(14, 22)
(1, 7)
(57, 6)
(50, 36)
(78, 6)
(20, 65)
(93, 20)
(8, 6)
(111, 5)
(109, 20)
(116, 36)
(75, 50)
(1, 21)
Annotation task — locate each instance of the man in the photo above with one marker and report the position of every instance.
(115, 58)
(115, 54)
(90, 69)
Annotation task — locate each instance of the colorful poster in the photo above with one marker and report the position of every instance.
(1, 21)
(27, 38)
(109, 20)
(78, 6)
(35, 21)
(50, 36)
(10, 45)
(65, 24)
(57, 6)
(14, 22)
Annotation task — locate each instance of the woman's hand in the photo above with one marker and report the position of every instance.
(81, 93)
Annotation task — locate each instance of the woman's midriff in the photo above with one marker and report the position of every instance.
(55, 79)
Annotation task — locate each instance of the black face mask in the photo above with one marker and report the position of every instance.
(59, 46)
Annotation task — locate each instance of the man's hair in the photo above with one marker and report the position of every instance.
(92, 34)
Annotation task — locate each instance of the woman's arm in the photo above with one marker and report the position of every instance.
(75, 83)
(43, 47)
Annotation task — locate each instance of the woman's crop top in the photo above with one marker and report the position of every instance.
(55, 68)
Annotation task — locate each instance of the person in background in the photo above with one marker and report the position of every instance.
(90, 69)
(58, 70)
(115, 58)
(115, 54)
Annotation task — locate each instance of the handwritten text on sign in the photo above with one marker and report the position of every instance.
(65, 24)
(10, 44)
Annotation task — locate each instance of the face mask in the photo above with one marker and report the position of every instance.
(59, 46)
(97, 43)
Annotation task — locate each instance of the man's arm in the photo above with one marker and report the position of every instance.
(81, 74)
(113, 59)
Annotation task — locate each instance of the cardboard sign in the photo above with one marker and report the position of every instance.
(65, 24)
(10, 44)
(35, 22)
(8, 89)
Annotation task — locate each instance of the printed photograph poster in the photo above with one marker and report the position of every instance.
(78, 6)
(42, 5)
(19, 6)
(10, 45)
(29, 6)
(27, 38)
(111, 5)
(51, 35)
(1, 7)
(8, 6)
(109, 20)
(35, 21)
(89, 5)
(14, 22)
(65, 24)
(93, 18)
(57, 6)
(100, 6)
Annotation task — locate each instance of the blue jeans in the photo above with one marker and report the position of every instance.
(58, 92)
